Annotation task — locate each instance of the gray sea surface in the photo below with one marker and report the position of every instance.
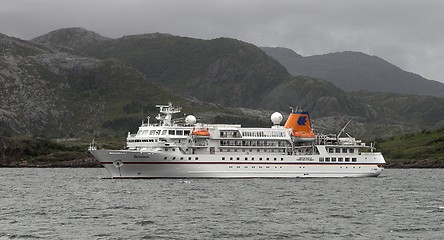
(82, 204)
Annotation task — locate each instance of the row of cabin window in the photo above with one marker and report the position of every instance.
(255, 143)
(251, 150)
(258, 167)
(229, 134)
(182, 158)
(143, 140)
(263, 134)
(338, 150)
(252, 134)
(252, 158)
(164, 132)
(333, 159)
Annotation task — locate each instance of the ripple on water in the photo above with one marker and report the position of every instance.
(77, 204)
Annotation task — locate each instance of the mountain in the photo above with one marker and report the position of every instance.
(69, 37)
(353, 71)
(51, 92)
(57, 94)
(67, 86)
(223, 71)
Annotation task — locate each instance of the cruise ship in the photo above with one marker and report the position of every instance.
(167, 149)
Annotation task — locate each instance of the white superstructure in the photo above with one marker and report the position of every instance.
(170, 150)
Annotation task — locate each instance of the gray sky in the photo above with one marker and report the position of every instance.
(407, 33)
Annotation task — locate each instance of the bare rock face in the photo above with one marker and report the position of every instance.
(26, 99)
(34, 81)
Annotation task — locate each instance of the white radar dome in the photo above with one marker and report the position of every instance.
(190, 120)
(276, 118)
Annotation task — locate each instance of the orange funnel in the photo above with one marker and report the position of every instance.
(300, 122)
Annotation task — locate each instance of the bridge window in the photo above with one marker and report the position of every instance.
(321, 159)
(340, 159)
(354, 159)
(171, 132)
(347, 159)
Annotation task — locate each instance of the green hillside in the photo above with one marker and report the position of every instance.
(423, 149)
(224, 71)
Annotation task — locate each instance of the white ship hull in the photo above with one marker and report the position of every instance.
(136, 164)
(195, 150)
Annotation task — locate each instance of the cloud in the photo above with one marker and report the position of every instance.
(406, 33)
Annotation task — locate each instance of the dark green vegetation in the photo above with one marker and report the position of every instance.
(423, 149)
(73, 83)
(223, 71)
(36, 152)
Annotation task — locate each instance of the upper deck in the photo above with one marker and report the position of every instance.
(192, 137)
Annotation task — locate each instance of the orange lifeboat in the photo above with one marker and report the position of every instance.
(299, 121)
(201, 132)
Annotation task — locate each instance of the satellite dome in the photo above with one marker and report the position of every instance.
(276, 118)
(190, 120)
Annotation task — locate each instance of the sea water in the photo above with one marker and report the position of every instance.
(84, 204)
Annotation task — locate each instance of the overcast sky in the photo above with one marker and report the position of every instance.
(407, 33)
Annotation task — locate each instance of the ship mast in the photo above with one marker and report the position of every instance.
(168, 111)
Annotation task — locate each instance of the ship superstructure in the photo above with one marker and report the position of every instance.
(168, 149)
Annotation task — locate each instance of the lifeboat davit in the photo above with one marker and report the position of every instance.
(299, 121)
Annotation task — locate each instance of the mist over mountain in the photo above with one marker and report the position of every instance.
(353, 71)
(73, 83)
